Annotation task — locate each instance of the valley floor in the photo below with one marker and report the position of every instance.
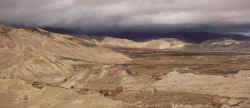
(153, 79)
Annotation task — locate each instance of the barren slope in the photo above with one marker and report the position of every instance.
(39, 55)
(37, 68)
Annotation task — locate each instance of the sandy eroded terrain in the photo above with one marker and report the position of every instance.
(39, 69)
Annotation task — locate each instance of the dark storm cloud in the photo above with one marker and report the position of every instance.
(125, 14)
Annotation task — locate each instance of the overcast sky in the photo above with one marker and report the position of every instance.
(228, 15)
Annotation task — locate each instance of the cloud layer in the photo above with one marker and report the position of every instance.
(94, 15)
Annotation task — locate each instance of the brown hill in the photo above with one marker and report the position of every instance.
(168, 43)
(35, 54)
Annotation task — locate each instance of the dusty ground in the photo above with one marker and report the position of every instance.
(46, 70)
(189, 79)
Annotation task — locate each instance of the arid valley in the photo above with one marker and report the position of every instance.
(41, 69)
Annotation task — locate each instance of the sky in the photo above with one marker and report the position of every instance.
(129, 15)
